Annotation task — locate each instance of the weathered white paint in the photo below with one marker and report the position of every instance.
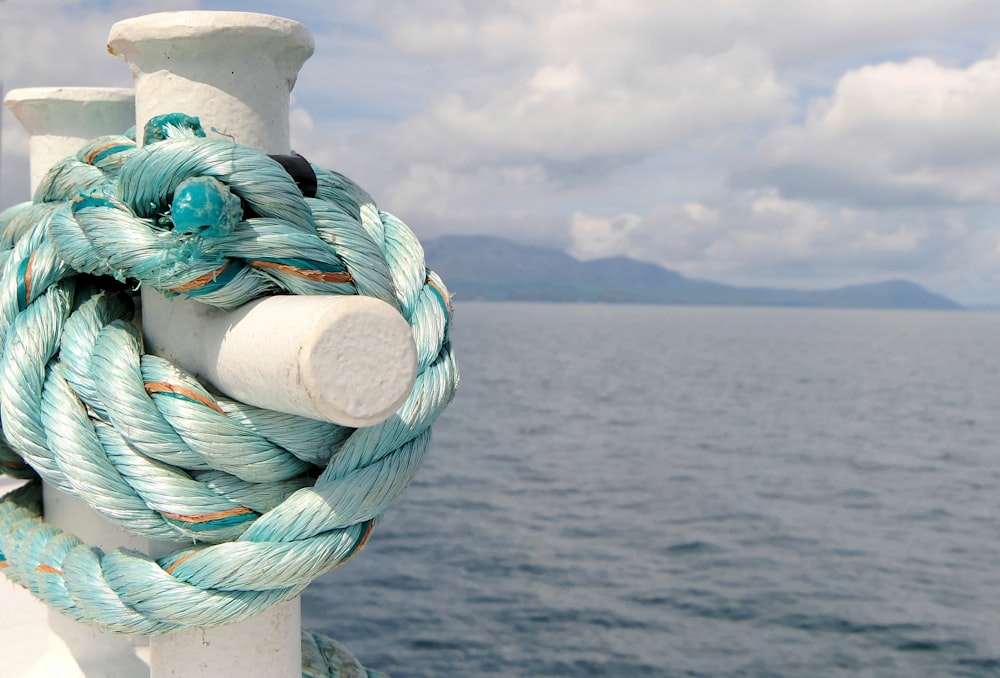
(332, 358)
(266, 645)
(350, 360)
(60, 120)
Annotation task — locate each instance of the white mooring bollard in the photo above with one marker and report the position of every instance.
(59, 120)
(343, 359)
(347, 360)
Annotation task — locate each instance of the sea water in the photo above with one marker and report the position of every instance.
(671, 491)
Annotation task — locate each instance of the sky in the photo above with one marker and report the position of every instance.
(808, 143)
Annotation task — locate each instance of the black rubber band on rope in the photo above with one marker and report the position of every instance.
(301, 171)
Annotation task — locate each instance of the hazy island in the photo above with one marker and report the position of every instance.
(483, 268)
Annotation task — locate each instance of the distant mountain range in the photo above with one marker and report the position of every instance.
(493, 269)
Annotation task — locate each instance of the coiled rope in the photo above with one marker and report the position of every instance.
(267, 501)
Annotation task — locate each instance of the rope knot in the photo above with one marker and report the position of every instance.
(204, 205)
(265, 501)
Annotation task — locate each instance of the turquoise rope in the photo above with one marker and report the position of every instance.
(266, 501)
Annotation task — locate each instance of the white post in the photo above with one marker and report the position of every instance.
(59, 120)
(347, 360)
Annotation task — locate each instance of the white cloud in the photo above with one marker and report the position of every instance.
(916, 131)
(568, 113)
(765, 238)
(571, 82)
(505, 32)
(595, 237)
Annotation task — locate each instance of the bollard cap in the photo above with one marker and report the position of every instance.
(234, 70)
(72, 111)
(176, 31)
